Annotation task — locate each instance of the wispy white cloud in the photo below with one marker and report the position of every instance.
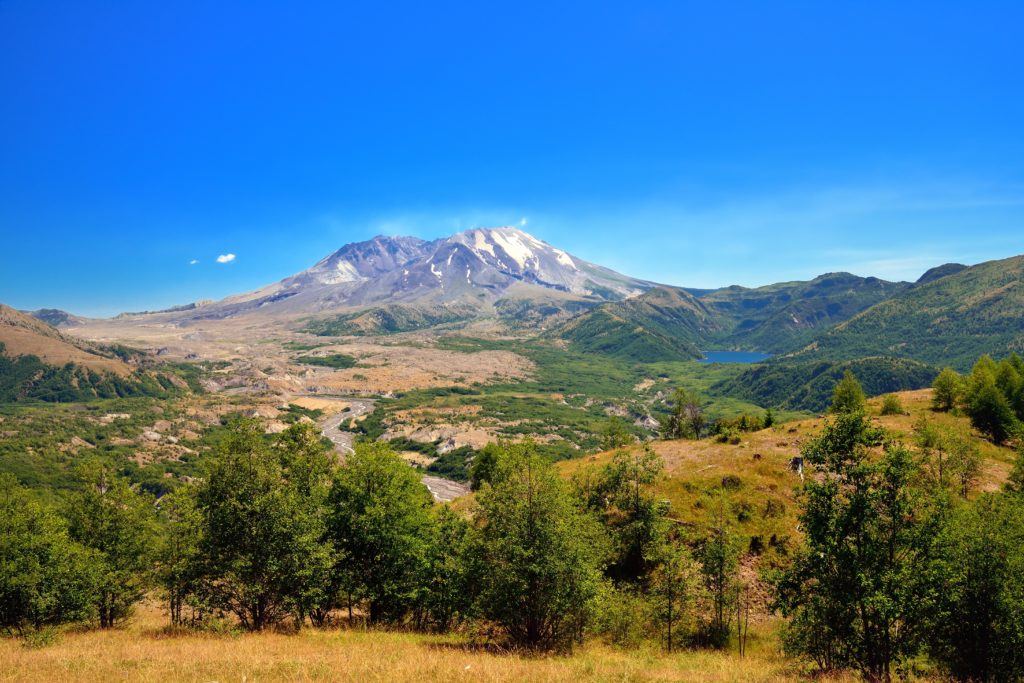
(193, 262)
(225, 258)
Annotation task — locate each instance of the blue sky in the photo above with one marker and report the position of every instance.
(699, 144)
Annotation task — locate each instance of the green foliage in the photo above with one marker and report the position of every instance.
(27, 378)
(892, 405)
(948, 390)
(118, 524)
(621, 496)
(977, 631)
(991, 390)
(338, 361)
(179, 556)
(848, 396)
(46, 578)
(485, 465)
(675, 587)
(539, 562)
(381, 526)
(389, 320)
(947, 457)
(809, 385)
(447, 587)
(686, 419)
(718, 556)
(860, 590)
(262, 539)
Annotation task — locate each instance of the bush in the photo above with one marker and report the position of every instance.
(892, 405)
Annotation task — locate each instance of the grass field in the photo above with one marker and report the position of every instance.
(145, 651)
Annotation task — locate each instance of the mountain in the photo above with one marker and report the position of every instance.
(23, 335)
(950, 320)
(933, 274)
(477, 269)
(664, 323)
(787, 315)
(54, 317)
(39, 363)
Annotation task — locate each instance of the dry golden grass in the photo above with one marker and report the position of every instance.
(143, 651)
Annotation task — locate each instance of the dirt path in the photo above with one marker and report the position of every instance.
(443, 490)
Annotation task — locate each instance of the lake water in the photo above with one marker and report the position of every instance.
(734, 357)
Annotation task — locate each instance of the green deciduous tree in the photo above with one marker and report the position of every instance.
(381, 525)
(118, 524)
(686, 419)
(977, 631)
(621, 495)
(947, 390)
(262, 545)
(674, 591)
(848, 395)
(539, 561)
(46, 578)
(860, 589)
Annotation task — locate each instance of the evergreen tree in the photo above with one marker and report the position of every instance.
(848, 395)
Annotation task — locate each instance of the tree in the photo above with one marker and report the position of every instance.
(977, 632)
(859, 591)
(674, 587)
(769, 418)
(380, 523)
(719, 561)
(448, 587)
(947, 390)
(262, 545)
(848, 395)
(485, 463)
(686, 420)
(46, 578)
(892, 405)
(179, 558)
(616, 434)
(538, 554)
(990, 412)
(621, 496)
(117, 523)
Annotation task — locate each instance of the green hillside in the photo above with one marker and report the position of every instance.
(389, 320)
(948, 321)
(662, 324)
(808, 385)
(780, 316)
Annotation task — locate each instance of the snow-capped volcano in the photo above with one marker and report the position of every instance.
(478, 267)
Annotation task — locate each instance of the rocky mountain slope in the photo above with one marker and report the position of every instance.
(475, 268)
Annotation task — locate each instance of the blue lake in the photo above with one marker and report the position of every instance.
(734, 357)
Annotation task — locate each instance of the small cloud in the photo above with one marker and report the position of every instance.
(193, 262)
(225, 258)
(523, 222)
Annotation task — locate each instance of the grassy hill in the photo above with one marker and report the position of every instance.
(664, 323)
(950, 320)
